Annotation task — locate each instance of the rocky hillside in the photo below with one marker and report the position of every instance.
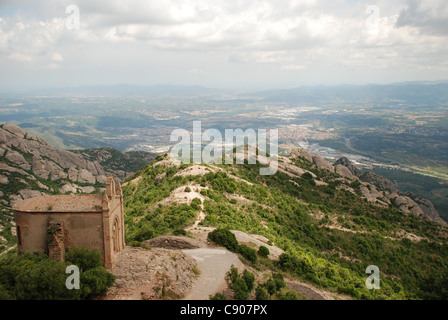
(116, 163)
(375, 188)
(325, 224)
(33, 159)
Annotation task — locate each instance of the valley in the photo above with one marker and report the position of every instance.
(380, 127)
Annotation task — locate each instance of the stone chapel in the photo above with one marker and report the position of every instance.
(53, 223)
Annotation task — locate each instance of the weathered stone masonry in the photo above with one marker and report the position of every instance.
(52, 224)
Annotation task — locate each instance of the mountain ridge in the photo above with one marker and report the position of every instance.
(326, 223)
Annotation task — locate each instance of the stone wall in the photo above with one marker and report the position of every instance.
(55, 240)
(80, 230)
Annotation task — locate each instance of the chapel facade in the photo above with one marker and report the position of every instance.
(53, 223)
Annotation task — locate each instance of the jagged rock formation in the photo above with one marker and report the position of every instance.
(346, 163)
(28, 162)
(116, 163)
(299, 152)
(379, 186)
(377, 189)
(31, 156)
(382, 183)
(426, 206)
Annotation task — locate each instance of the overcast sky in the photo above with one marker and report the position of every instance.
(229, 43)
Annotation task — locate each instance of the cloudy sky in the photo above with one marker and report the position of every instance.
(231, 43)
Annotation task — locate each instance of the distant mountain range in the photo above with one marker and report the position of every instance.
(424, 93)
(127, 90)
(419, 92)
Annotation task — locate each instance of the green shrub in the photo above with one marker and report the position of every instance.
(84, 259)
(289, 295)
(240, 290)
(248, 253)
(179, 232)
(196, 204)
(36, 277)
(279, 281)
(249, 278)
(261, 293)
(44, 281)
(4, 294)
(263, 251)
(231, 276)
(224, 238)
(307, 176)
(218, 296)
(96, 281)
(242, 285)
(145, 233)
(271, 287)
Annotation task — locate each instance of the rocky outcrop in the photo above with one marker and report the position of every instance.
(28, 193)
(32, 153)
(30, 167)
(151, 274)
(427, 207)
(370, 192)
(316, 159)
(174, 242)
(344, 171)
(382, 183)
(379, 189)
(299, 152)
(346, 163)
(406, 204)
(115, 163)
(320, 162)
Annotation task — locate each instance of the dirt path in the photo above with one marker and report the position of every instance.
(213, 265)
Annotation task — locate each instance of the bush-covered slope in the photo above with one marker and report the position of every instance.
(117, 163)
(329, 230)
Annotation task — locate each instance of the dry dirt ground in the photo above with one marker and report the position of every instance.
(157, 273)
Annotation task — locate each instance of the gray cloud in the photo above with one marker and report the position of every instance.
(429, 16)
(220, 42)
